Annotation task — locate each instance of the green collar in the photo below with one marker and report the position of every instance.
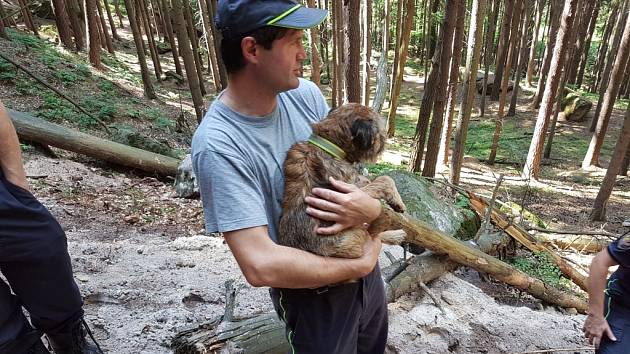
(332, 149)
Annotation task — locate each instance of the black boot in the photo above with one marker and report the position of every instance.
(28, 343)
(72, 340)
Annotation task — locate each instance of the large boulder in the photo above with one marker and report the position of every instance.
(575, 107)
(452, 219)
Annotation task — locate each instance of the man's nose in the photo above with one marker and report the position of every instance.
(301, 55)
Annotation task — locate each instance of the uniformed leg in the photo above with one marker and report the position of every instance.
(13, 324)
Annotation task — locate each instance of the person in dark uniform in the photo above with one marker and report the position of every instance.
(607, 326)
(34, 265)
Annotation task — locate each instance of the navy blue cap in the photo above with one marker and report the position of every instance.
(238, 17)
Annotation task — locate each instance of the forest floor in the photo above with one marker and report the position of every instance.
(147, 268)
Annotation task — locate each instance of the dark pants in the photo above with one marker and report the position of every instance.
(34, 260)
(345, 319)
(618, 317)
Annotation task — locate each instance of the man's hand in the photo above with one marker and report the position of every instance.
(347, 207)
(594, 328)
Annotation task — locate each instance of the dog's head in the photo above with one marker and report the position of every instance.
(356, 129)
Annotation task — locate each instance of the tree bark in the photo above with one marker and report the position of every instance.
(555, 15)
(502, 51)
(192, 35)
(532, 164)
(398, 39)
(606, 75)
(623, 170)
(608, 101)
(581, 38)
(119, 14)
(602, 51)
(367, 52)
(470, 79)
(402, 59)
(77, 23)
(187, 55)
(587, 46)
(92, 29)
(512, 53)
(520, 64)
(108, 39)
(453, 82)
(149, 92)
(382, 78)
(143, 17)
(540, 9)
(164, 8)
(621, 148)
(63, 23)
(489, 48)
(216, 36)
(446, 44)
(212, 55)
(316, 69)
(352, 9)
(110, 18)
(28, 19)
(44, 132)
(3, 33)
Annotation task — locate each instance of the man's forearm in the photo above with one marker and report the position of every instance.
(10, 154)
(596, 286)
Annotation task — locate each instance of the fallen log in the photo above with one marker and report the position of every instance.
(522, 236)
(44, 132)
(578, 243)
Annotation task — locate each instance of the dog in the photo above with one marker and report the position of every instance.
(350, 134)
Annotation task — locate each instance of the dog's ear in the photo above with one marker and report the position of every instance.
(362, 134)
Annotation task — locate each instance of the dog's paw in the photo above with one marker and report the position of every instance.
(398, 205)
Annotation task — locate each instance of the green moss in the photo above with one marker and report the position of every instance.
(541, 266)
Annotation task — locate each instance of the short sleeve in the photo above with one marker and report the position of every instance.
(314, 98)
(620, 251)
(230, 192)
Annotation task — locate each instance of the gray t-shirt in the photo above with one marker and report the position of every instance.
(238, 159)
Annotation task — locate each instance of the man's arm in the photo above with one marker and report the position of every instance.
(265, 263)
(10, 154)
(595, 325)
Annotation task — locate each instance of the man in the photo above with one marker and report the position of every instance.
(34, 260)
(607, 326)
(238, 152)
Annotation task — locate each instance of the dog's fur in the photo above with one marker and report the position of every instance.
(359, 132)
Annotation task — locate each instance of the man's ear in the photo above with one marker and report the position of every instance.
(249, 49)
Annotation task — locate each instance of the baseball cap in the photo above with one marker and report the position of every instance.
(238, 17)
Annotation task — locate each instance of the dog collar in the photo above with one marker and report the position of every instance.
(332, 149)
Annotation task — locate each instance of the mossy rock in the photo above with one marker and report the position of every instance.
(456, 220)
(575, 107)
(141, 141)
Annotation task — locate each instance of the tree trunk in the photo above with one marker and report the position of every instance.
(192, 35)
(532, 164)
(398, 38)
(502, 51)
(216, 36)
(3, 19)
(187, 55)
(367, 52)
(77, 23)
(605, 77)
(621, 148)
(352, 9)
(623, 170)
(608, 101)
(212, 55)
(512, 53)
(555, 15)
(470, 79)
(143, 17)
(382, 78)
(108, 39)
(587, 46)
(402, 59)
(613, 18)
(446, 44)
(92, 29)
(540, 9)
(316, 71)
(149, 92)
(63, 23)
(119, 14)
(28, 19)
(489, 48)
(521, 59)
(41, 131)
(164, 8)
(110, 18)
(3, 33)
(453, 82)
(581, 38)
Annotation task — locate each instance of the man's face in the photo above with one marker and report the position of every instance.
(281, 66)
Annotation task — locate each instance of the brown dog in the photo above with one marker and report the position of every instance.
(351, 134)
